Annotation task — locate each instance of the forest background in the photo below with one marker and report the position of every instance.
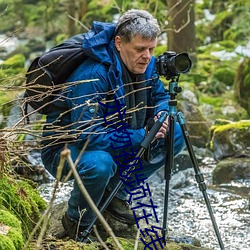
(214, 33)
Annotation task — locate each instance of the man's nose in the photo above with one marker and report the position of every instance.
(146, 54)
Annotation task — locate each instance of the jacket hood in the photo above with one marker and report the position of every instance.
(98, 43)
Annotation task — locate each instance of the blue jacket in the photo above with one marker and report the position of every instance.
(85, 100)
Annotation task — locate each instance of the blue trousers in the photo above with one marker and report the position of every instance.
(99, 171)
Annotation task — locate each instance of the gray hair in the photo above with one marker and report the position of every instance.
(137, 22)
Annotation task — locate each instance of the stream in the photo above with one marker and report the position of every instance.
(187, 212)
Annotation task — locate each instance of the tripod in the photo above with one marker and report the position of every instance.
(144, 145)
(173, 90)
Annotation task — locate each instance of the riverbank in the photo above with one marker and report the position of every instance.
(188, 216)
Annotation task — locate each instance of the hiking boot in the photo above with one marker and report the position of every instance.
(75, 231)
(120, 210)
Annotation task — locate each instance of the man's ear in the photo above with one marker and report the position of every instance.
(118, 43)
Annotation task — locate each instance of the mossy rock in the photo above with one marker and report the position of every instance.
(232, 139)
(11, 237)
(21, 199)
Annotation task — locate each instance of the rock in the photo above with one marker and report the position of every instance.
(197, 125)
(190, 96)
(231, 169)
(181, 179)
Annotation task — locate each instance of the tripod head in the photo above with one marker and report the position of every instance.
(174, 89)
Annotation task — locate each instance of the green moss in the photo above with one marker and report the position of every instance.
(20, 198)
(16, 237)
(6, 243)
(228, 45)
(235, 125)
(13, 239)
(13, 71)
(9, 219)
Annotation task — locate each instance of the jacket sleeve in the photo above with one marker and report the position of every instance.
(88, 116)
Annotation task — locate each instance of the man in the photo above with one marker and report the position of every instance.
(123, 88)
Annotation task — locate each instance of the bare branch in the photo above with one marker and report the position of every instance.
(66, 154)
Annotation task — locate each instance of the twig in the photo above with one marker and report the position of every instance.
(66, 154)
(77, 21)
(137, 240)
(99, 238)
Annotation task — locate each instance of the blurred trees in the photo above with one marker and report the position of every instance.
(186, 23)
(181, 26)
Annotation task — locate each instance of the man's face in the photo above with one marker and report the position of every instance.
(137, 53)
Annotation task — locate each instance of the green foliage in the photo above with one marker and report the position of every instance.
(12, 67)
(17, 61)
(229, 23)
(214, 101)
(224, 75)
(216, 67)
(221, 23)
(219, 102)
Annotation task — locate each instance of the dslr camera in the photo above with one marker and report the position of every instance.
(171, 65)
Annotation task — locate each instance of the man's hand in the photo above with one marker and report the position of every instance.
(164, 128)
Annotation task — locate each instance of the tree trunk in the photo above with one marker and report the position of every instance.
(83, 7)
(71, 6)
(181, 27)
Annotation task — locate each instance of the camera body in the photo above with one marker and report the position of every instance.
(171, 65)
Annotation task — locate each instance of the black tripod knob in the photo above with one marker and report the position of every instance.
(177, 89)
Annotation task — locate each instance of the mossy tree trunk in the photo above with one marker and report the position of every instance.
(242, 84)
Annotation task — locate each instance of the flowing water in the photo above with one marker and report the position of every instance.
(187, 212)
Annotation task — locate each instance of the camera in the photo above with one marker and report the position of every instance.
(171, 65)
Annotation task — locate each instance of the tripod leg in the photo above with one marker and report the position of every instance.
(199, 176)
(168, 172)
